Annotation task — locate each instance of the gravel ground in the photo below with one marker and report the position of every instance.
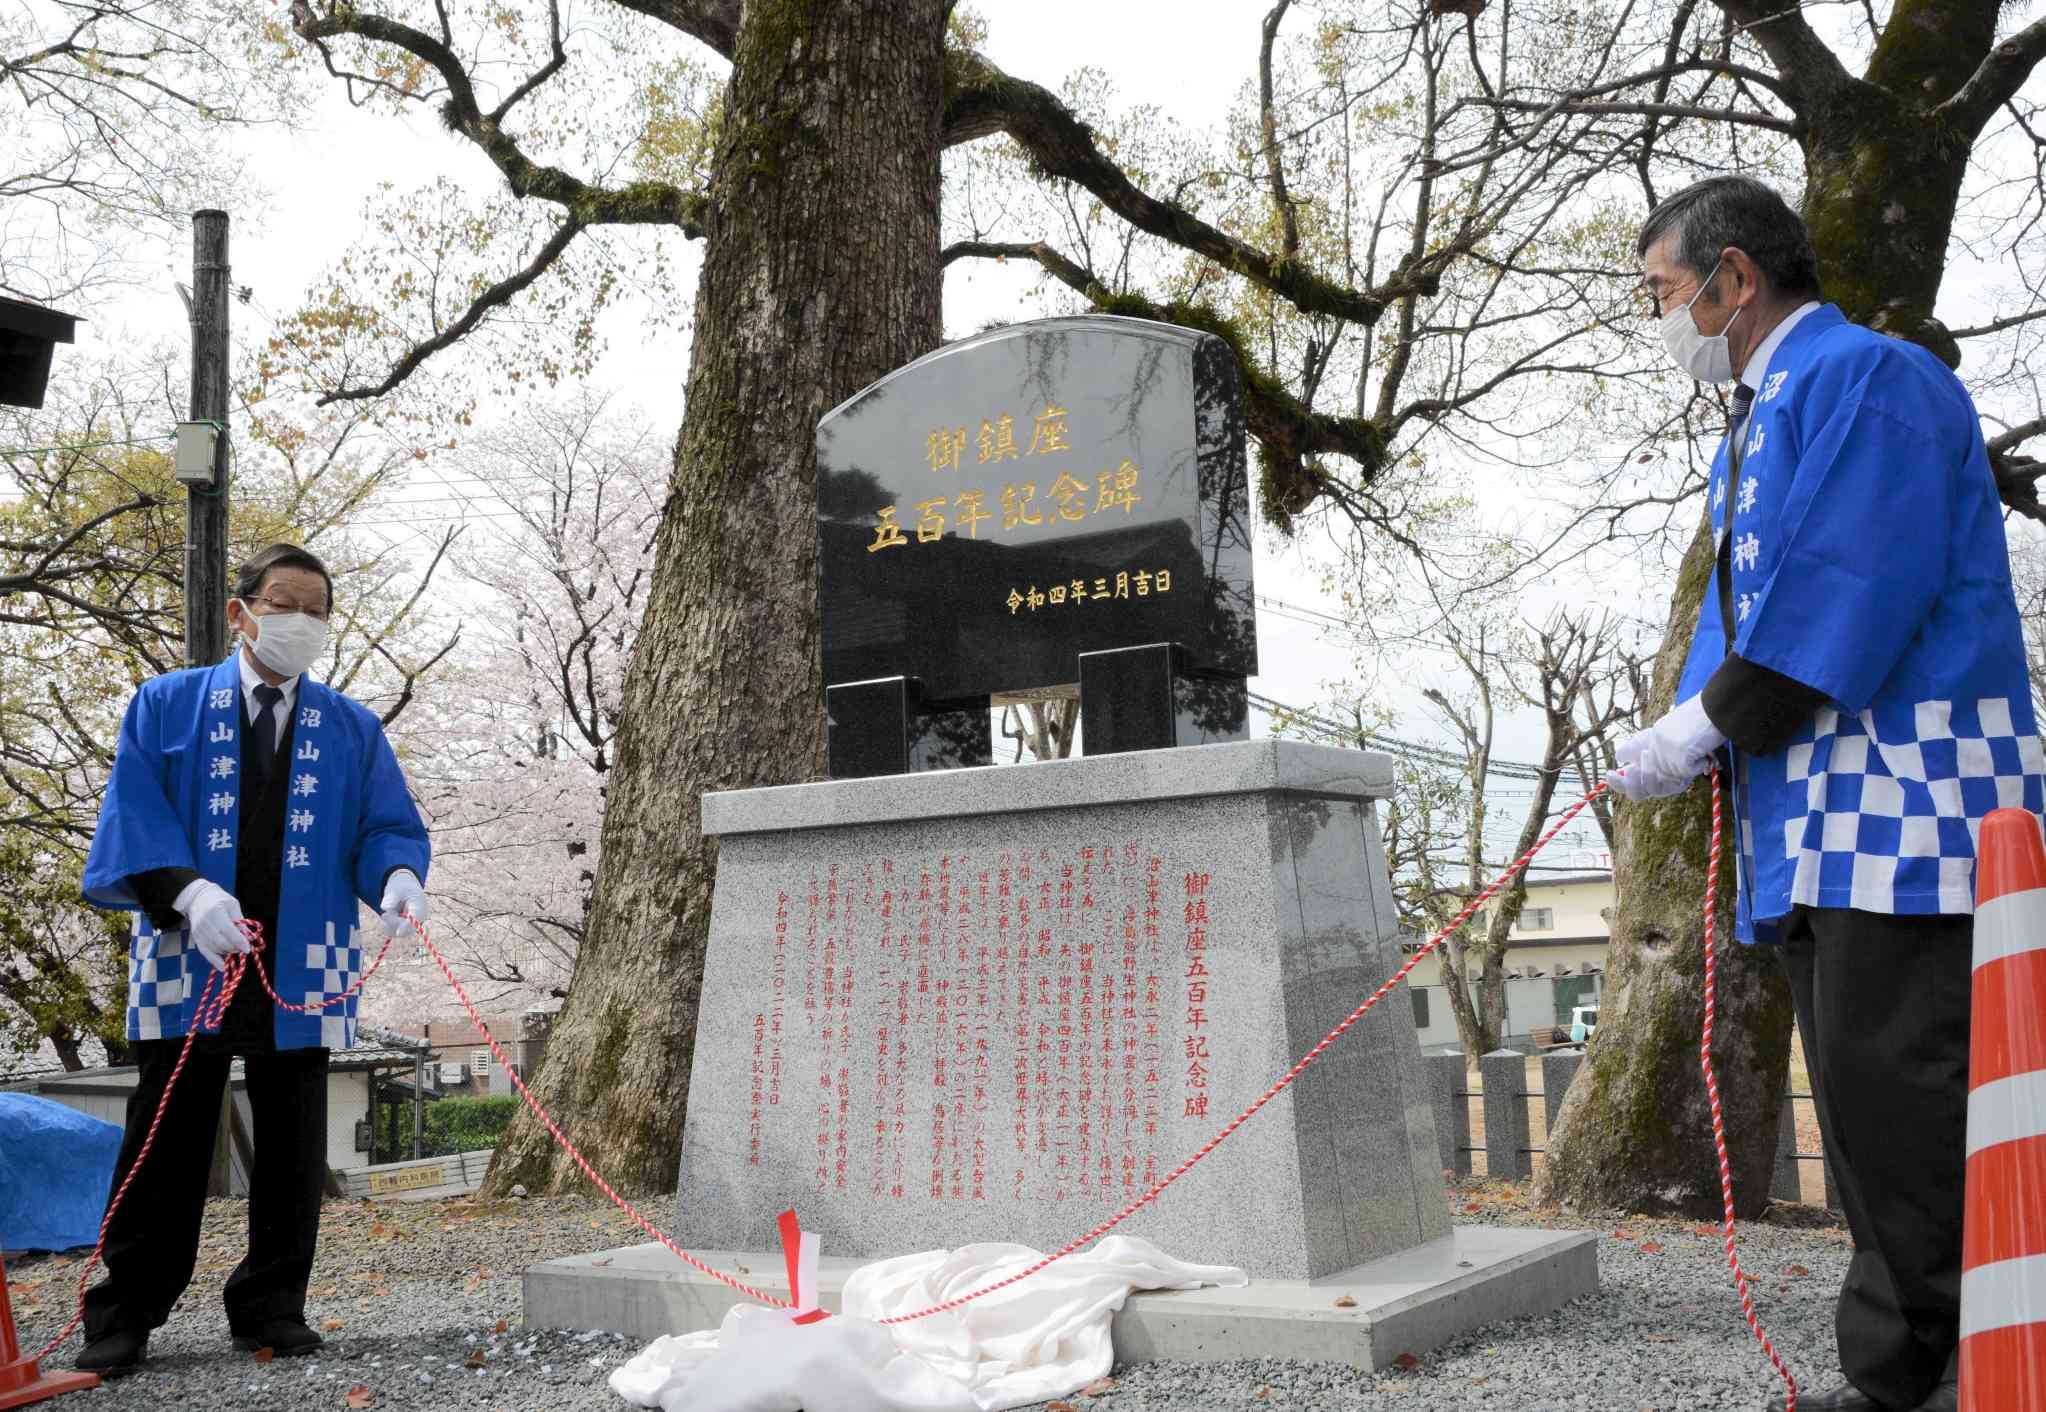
(419, 1303)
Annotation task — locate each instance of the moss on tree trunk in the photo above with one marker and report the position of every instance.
(1635, 1130)
(820, 274)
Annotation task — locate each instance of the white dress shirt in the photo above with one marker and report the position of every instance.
(250, 681)
(1758, 361)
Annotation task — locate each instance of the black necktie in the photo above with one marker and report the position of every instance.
(1736, 423)
(266, 696)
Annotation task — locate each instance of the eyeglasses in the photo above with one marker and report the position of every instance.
(281, 605)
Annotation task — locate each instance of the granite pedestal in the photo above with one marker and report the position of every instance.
(997, 1004)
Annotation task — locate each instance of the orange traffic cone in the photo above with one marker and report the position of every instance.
(21, 1380)
(2003, 1257)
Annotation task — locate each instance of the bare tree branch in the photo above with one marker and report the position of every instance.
(1289, 220)
(986, 101)
(496, 296)
(1735, 116)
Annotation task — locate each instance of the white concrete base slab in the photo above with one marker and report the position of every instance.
(1405, 1303)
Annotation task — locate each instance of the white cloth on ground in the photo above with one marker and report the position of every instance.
(1041, 1338)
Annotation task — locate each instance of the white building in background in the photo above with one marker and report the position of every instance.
(1555, 962)
(362, 1083)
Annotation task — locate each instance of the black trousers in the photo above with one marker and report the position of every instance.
(154, 1241)
(1882, 1004)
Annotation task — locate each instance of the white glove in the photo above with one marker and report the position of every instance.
(403, 894)
(1666, 757)
(211, 921)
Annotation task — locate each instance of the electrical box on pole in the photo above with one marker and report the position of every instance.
(205, 476)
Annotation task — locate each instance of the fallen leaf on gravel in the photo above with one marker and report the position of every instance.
(1058, 1407)
(1660, 1338)
(1797, 1270)
(1100, 1387)
(1395, 1385)
(359, 1396)
(474, 1360)
(1264, 1394)
(1707, 1231)
(1472, 1206)
(1623, 1234)
(1406, 1362)
(503, 1325)
(264, 1355)
(1344, 1301)
(1651, 1247)
(331, 1326)
(472, 1284)
(324, 1292)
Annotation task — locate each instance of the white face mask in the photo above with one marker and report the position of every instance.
(1706, 359)
(286, 643)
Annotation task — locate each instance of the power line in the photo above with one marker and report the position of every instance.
(1409, 749)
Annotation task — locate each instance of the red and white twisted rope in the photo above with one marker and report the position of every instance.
(1733, 1262)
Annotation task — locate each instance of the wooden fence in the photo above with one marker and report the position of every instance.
(1508, 1148)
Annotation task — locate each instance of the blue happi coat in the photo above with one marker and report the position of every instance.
(1868, 562)
(173, 801)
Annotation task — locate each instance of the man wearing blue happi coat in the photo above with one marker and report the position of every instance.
(1859, 664)
(245, 789)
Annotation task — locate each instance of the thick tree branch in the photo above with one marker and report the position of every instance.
(1997, 80)
(1290, 433)
(1809, 69)
(2017, 477)
(1999, 325)
(640, 203)
(715, 22)
(496, 296)
(982, 100)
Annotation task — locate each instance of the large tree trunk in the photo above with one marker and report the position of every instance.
(820, 274)
(1635, 1130)
(1882, 178)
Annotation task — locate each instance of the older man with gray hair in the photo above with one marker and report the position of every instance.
(1857, 669)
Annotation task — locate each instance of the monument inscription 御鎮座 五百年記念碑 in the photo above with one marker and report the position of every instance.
(994, 510)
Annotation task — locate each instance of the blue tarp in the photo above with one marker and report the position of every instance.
(56, 1167)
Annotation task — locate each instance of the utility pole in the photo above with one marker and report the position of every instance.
(206, 509)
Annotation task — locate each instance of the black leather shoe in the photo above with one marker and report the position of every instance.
(114, 1355)
(285, 1338)
(1844, 1398)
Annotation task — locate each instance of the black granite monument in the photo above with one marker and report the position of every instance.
(1058, 504)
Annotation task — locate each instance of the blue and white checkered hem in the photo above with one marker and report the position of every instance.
(1890, 824)
(156, 983)
(338, 968)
